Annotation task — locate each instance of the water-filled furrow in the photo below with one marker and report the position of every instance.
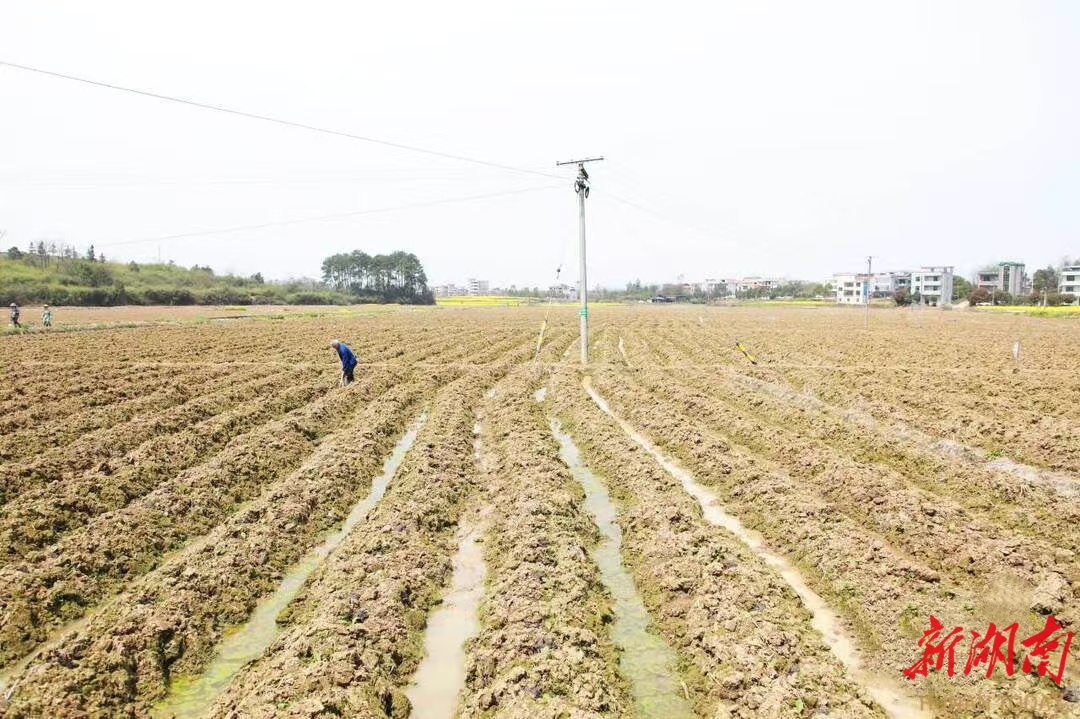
(192, 697)
(825, 621)
(441, 675)
(646, 661)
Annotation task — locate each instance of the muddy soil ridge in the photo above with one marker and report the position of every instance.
(747, 644)
(178, 472)
(353, 637)
(170, 622)
(543, 649)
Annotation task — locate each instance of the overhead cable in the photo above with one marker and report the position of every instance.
(278, 121)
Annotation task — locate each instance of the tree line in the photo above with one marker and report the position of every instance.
(396, 277)
(59, 274)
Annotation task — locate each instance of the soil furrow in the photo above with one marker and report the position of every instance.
(93, 562)
(353, 637)
(44, 513)
(885, 596)
(543, 650)
(97, 410)
(931, 528)
(746, 640)
(57, 466)
(169, 622)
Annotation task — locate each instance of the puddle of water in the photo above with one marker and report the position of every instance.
(895, 703)
(646, 660)
(540, 394)
(191, 697)
(441, 675)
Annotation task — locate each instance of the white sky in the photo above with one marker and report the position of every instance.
(779, 138)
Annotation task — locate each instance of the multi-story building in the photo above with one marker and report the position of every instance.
(852, 288)
(709, 286)
(1070, 281)
(564, 291)
(1006, 277)
(886, 284)
(934, 285)
(449, 290)
(749, 284)
(478, 287)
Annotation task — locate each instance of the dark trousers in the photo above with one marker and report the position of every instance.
(349, 374)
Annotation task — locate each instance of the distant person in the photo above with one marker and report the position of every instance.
(46, 316)
(348, 361)
(15, 315)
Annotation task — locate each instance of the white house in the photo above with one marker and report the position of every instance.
(852, 288)
(748, 284)
(478, 287)
(1070, 281)
(448, 290)
(933, 284)
(563, 290)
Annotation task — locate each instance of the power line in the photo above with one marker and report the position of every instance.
(149, 182)
(338, 215)
(278, 121)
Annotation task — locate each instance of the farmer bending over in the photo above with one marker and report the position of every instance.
(348, 361)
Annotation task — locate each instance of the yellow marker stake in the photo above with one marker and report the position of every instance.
(745, 352)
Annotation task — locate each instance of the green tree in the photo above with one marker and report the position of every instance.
(1044, 279)
(961, 288)
(397, 277)
(902, 297)
(14, 253)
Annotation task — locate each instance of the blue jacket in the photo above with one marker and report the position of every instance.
(348, 359)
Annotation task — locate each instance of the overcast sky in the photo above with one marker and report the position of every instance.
(776, 138)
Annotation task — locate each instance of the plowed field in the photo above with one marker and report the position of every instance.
(673, 531)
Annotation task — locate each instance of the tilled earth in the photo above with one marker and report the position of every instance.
(158, 486)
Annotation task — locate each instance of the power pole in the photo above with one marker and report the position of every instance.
(581, 187)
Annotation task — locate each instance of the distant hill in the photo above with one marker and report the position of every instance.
(30, 278)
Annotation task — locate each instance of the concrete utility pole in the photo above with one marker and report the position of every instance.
(581, 187)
